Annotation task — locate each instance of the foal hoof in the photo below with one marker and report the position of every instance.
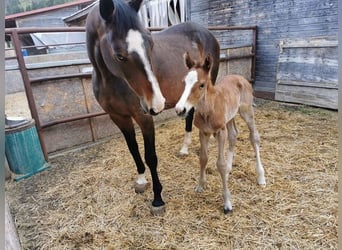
(140, 188)
(262, 181)
(158, 211)
(227, 210)
(183, 152)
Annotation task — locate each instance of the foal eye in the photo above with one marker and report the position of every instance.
(201, 86)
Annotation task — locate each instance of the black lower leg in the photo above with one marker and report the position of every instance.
(188, 120)
(134, 150)
(152, 162)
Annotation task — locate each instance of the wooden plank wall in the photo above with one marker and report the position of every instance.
(276, 20)
(308, 72)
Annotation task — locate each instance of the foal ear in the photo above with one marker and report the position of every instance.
(207, 63)
(106, 9)
(189, 63)
(135, 4)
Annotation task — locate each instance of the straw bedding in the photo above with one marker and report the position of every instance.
(87, 201)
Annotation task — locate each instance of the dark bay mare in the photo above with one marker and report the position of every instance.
(138, 74)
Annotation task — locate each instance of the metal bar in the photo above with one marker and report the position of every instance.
(71, 119)
(59, 77)
(254, 53)
(51, 45)
(212, 28)
(44, 30)
(227, 58)
(28, 90)
(87, 101)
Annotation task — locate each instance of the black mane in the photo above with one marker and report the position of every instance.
(124, 19)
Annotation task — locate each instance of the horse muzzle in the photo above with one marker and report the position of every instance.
(147, 110)
(181, 111)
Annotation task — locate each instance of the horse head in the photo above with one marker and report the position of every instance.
(197, 81)
(126, 47)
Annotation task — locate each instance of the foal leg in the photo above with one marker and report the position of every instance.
(188, 128)
(248, 116)
(126, 126)
(203, 157)
(232, 137)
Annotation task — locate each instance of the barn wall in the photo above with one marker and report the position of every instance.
(277, 20)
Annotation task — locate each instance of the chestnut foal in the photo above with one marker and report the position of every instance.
(215, 109)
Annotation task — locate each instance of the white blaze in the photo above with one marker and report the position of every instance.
(135, 43)
(190, 79)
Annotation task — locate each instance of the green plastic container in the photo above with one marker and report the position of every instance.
(23, 151)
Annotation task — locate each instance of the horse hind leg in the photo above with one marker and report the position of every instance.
(188, 128)
(248, 116)
(224, 170)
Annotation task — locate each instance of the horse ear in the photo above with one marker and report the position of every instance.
(189, 63)
(106, 9)
(135, 4)
(208, 63)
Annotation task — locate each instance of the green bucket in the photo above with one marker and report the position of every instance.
(23, 150)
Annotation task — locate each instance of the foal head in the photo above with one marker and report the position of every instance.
(130, 51)
(196, 81)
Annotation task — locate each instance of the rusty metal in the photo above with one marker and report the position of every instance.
(254, 53)
(227, 58)
(59, 77)
(14, 32)
(71, 119)
(28, 89)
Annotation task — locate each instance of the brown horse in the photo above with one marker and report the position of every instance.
(137, 74)
(215, 110)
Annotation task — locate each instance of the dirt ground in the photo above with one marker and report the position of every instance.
(86, 199)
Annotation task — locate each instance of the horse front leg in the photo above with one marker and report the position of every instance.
(223, 169)
(147, 128)
(188, 128)
(126, 126)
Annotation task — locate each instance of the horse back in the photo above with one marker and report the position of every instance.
(193, 38)
(237, 88)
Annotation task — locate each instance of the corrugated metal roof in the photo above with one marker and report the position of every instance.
(46, 9)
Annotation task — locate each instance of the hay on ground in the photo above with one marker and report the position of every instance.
(87, 201)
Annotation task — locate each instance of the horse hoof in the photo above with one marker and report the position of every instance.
(158, 211)
(140, 188)
(227, 210)
(199, 189)
(183, 152)
(262, 182)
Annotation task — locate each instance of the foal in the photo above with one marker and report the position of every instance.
(215, 110)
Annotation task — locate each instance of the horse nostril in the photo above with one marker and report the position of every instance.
(152, 112)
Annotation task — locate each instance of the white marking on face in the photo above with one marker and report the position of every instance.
(190, 79)
(135, 43)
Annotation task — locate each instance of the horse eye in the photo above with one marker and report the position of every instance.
(201, 86)
(120, 57)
